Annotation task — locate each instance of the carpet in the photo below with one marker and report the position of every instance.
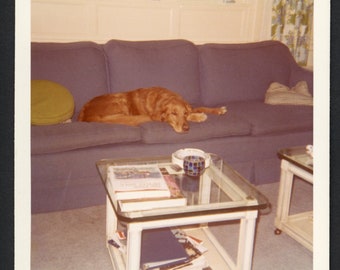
(75, 239)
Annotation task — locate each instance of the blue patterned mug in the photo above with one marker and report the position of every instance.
(193, 165)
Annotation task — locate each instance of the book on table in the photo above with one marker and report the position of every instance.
(176, 199)
(137, 181)
(160, 248)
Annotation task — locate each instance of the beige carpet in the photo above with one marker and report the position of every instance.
(75, 239)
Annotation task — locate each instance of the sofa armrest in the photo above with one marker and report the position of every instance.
(301, 74)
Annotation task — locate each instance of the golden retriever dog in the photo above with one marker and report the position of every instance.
(143, 105)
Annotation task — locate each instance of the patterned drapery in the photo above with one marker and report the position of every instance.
(292, 24)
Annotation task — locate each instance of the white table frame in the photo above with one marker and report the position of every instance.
(298, 226)
(131, 261)
(244, 206)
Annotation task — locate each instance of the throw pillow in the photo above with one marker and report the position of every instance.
(51, 103)
(279, 94)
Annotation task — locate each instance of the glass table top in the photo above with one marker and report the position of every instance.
(299, 156)
(219, 189)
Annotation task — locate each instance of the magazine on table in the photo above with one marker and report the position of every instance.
(176, 199)
(137, 181)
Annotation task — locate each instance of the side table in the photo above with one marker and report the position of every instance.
(220, 194)
(294, 162)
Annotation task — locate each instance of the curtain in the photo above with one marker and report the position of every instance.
(292, 24)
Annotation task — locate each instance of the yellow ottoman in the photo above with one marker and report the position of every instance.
(51, 103)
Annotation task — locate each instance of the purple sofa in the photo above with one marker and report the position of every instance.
(64, 174)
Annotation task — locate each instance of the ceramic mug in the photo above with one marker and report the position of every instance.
(193, 165)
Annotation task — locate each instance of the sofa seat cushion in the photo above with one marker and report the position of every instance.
(51, 103)
(172, 64)
(270, 119)
(58, 138)
(214, 127)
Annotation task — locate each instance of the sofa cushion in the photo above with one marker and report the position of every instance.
(172, 64)
(58, 138)
(235, 72)
(79, 66)
(51, 103)
(214, 127)
(273, 119)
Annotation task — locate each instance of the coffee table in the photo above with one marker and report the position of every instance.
(220, 194)
(294, 162)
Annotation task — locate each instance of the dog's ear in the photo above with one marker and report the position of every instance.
(163, 115)
(188, 109)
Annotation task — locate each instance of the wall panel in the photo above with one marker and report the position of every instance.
(218, 24)
(131, 22)
(68, 20)
(200, 21)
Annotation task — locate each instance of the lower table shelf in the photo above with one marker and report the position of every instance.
(216, 256)
(117, 257)
(299, 227)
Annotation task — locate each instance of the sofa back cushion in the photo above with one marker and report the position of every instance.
(172, 64)
(235, 72)
(78, 66)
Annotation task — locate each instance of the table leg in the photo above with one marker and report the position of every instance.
(134, 240)
(284, 197)
(111, 219)
(246, 241)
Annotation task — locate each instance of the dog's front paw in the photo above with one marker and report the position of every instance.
(222, 110)
(197, 117)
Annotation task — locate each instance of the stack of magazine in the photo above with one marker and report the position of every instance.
(168, 249)
(143, 187)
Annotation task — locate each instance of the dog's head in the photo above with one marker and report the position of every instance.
(176, 113)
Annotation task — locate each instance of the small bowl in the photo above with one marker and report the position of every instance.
(193, 165)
